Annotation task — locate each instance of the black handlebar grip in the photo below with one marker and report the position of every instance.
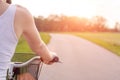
(55, 59)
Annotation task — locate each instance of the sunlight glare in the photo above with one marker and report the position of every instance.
(81, 8)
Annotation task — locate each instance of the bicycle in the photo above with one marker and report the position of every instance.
(32, 66)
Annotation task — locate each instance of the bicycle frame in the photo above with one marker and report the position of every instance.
(33, 66)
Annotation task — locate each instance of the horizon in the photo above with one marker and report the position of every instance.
(108, 9)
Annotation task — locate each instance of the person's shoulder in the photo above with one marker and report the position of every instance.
(22, 11)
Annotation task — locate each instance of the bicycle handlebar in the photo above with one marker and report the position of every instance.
(18, 65)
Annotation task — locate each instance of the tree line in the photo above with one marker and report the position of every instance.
(63, 23)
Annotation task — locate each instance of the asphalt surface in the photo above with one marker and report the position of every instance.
(81, 60)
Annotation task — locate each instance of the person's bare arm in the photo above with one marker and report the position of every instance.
(32, 35)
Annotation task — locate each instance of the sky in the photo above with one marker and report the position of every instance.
(110, 9)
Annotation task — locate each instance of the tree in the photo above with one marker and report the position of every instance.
(117, 26)
(99, 23)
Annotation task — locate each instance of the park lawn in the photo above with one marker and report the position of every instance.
(23, 51)
(110, 41)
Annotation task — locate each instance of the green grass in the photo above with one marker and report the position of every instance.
(24, 47)
(110, 41)
(23, 51)
(22, 57)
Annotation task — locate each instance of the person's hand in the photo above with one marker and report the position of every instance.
(54, 58)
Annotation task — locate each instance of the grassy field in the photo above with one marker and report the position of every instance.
(110, 41)
(23, 51)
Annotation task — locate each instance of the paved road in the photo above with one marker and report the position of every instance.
(82, 60)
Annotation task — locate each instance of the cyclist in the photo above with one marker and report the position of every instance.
(14, 22)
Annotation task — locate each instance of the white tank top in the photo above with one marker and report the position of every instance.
(8, 38)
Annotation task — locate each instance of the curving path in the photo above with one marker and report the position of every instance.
(82, 60)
